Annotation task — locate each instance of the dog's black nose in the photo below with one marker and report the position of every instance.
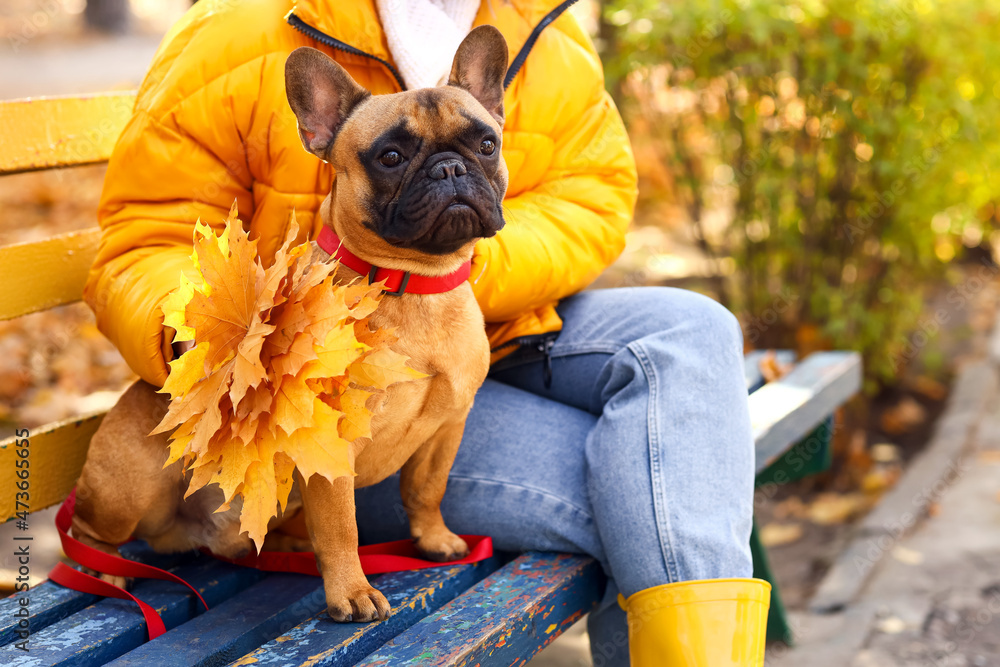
(448, 168)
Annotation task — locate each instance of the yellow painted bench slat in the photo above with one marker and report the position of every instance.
(56, 454)
(44, 274)
(45, 132)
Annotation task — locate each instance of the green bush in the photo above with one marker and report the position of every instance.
(852, 147)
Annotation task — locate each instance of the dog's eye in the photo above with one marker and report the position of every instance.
(390, 158)
(487, 147)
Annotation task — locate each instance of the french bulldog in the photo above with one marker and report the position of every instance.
(419, 179)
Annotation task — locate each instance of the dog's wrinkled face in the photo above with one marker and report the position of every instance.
(421, 170)
(434, 175)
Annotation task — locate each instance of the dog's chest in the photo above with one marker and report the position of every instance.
(443, 336)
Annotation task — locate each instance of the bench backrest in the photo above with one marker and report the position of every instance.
(38, 134)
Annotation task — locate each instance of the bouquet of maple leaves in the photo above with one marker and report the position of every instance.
(283, 373)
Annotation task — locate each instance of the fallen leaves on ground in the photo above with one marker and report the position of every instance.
(824, 509)
(771, 369)
(856, 458)
(54, 364)
(885, 452)
(891, 625)
(283, 366)
(777, 534)
(885, 470)
(903, 417)
(834, 508)
(907, 556)
(791, 508)
(929, 388)
(881, 478)
(37, 205)
(989, 456)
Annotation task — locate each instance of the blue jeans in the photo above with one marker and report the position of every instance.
(639, 452)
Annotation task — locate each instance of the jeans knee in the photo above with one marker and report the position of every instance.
(721, 322)
(705, 323)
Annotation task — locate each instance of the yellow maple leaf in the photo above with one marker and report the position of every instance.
(293, 406)
(180, 439)
(186, 371)
(381, 368)
(173, 309)
(284, 466)
(284, 364)
(318, 448)
(339, 350)
(260, 500)
(202, 402)
(356, 422)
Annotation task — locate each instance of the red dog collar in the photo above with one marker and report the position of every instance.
(397, 282)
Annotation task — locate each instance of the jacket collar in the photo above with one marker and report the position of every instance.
(356, 22)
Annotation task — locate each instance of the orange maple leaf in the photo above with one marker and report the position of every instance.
(284, 364)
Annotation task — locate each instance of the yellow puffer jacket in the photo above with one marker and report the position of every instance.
(211, 124)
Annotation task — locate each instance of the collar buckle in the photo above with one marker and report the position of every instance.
(402, 283)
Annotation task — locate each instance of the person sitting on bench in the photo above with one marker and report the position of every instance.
(614, 422)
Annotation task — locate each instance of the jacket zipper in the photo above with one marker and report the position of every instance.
(324, 38)
(522, 55)
(534, 340)
(542, 343)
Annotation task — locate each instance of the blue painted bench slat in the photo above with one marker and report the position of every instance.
(413, 595)
(488, 614)
(105, 630)
(511, 614)
(790, 408)
(51, 602)
(235, 627)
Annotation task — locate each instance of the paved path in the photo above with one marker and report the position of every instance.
(933, 598)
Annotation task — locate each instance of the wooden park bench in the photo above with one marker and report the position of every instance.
(497, 612)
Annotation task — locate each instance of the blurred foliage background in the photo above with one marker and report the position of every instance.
(830, 157)
(815, 165)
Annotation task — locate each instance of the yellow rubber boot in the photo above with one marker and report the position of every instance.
(708, 623)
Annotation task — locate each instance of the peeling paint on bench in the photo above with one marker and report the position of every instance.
(111, 627)
(504, 619)
(413, 595)
(51, 602)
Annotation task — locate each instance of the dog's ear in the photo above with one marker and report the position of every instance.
(322, 95)
(480, 66)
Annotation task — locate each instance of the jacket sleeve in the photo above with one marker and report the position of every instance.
(180, 158)
(563, 232)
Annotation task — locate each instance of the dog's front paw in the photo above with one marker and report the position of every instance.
(358, 605)
(441, 546)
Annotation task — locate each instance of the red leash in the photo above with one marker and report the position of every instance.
(375, 559)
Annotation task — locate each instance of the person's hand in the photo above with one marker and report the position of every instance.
(180, 347)
(173, 350)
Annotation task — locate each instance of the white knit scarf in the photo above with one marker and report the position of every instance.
(423, 36)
